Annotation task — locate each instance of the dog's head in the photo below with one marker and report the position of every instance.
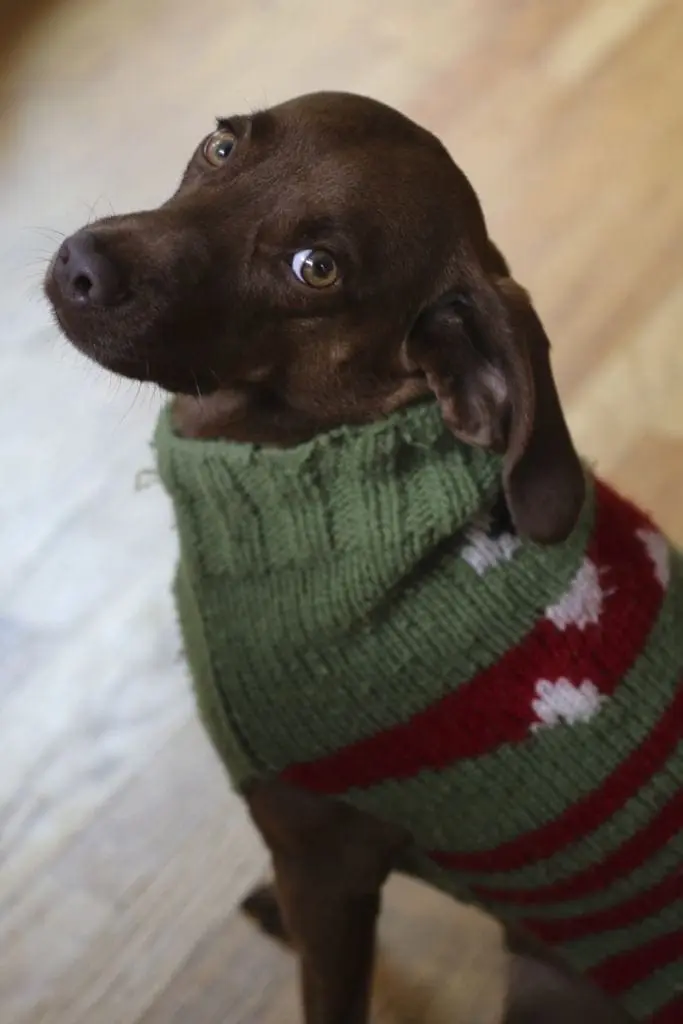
(325, 262)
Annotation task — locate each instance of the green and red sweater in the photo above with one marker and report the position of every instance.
(354, 627)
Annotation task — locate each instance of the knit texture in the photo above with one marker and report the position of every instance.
(354, 626)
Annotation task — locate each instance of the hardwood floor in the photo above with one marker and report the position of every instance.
(122, 851)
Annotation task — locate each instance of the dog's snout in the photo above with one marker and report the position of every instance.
(84, 274)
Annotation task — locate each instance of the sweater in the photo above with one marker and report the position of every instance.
(353, 625)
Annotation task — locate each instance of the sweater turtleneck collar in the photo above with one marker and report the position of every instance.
(405, 480)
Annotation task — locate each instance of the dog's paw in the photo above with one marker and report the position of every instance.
(262, 907)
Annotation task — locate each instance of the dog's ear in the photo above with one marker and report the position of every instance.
(486, 357)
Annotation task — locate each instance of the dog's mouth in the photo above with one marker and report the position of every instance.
(143, 356)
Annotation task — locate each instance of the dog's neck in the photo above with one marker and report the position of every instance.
(246, 414)
(255, 414)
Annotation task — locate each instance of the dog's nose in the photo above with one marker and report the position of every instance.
(84, 274)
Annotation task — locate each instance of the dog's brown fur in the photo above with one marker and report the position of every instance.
(200, 296)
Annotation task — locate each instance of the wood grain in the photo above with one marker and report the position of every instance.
(122, 851)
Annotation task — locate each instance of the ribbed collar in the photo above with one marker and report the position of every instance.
(403, 481)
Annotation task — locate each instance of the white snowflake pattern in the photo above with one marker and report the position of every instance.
(563, 702)
(482, 551)
(657, 548)
(582, 604)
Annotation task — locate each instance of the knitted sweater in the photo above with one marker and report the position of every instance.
(352, 626)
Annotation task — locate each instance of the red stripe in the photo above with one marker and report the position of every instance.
(666, 824)
(625, 970)
(672, 1013)
(590, 812)
(630, 912)
(495, 707)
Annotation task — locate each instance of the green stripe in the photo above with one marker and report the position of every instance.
(591, 850)
(656, 991)
(530, 783)
(589, 952)
(662, 865)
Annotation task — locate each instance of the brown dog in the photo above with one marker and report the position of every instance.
(323, 263)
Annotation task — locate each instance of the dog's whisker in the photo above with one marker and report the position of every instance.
(34, 277)
(33, 288)
(200, 397)
(52, 234)
(39, 262)
(136, 395)
(91, 209)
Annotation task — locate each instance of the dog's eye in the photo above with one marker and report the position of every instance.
(315, 267)
(219, 146)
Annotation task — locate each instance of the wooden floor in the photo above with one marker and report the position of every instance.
(122, 852)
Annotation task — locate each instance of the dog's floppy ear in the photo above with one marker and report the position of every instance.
(486, 357)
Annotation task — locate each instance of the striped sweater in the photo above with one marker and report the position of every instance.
(354, 626)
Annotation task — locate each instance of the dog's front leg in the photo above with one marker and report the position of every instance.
(330, 863)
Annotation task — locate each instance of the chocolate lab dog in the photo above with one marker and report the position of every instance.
(413, 618)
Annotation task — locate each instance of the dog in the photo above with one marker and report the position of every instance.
(378, 498)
